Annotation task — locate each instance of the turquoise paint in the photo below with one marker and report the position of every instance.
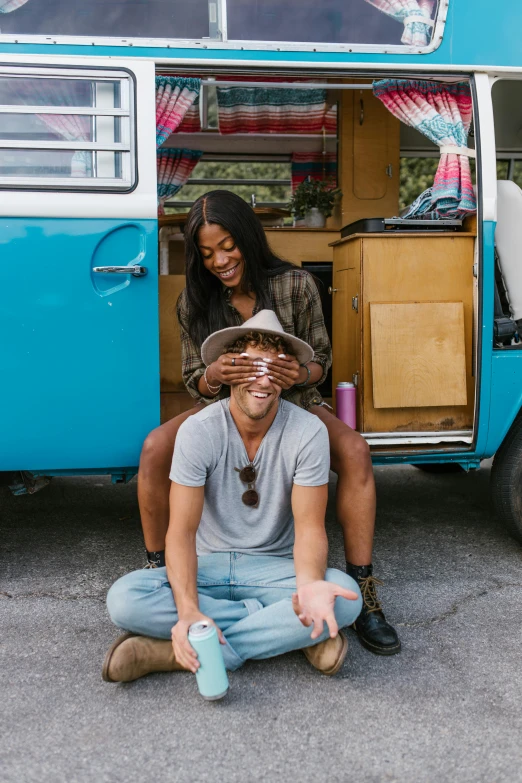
(506, 395)
(80, 357)
(486, 293)
(476, 34)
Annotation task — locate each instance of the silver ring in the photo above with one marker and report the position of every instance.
(233, 361)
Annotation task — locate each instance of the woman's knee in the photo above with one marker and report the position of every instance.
(351, 450)
(158, 446)
(347, 610)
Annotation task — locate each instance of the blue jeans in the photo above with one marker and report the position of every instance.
(248, 596)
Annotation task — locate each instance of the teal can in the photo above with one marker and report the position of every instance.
(211, 676)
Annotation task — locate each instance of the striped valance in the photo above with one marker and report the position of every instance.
(251, 109)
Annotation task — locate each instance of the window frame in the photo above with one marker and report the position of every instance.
(218, 39)
(127, 146)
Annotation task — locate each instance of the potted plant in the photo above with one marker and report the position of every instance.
(313, 201)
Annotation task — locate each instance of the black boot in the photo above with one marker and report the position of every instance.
(373, 631)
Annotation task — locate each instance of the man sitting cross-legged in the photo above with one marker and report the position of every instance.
(249, 490)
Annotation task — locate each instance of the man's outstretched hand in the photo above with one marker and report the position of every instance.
(314, 605)
(184, 652)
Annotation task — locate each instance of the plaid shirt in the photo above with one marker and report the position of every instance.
(296, 302)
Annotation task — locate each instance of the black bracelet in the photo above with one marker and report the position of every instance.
(304, 383)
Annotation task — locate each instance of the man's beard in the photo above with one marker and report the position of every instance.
(242, 403)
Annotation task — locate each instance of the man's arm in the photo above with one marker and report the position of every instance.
(311, 544)
(186, 506)
(315, 598)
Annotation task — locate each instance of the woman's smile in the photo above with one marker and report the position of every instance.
(220, 254)
(228, 272)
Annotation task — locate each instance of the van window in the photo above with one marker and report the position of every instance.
(507, 112)
(307, 21)
(108, 18)
(66, 130)
(328, 25)
(268, 182)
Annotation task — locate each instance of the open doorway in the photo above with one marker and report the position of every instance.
(383, 168)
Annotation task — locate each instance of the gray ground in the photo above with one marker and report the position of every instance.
(447, 708)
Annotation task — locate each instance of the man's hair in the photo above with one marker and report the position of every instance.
(261, 339)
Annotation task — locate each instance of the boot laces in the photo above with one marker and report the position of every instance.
(150, 564)
(369, 593)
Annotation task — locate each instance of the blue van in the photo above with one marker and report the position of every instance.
(90, 270)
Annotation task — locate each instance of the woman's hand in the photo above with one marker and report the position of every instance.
(284, 370)
(231, 369)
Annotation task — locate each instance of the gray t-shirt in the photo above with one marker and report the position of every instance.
(295, 450)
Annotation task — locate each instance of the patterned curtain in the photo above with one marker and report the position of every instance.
(442, 113)
(414, 14)
(174, 98)
(6, 6)
(281, 110)
(174, 168)
(191, 122)
(315, 165)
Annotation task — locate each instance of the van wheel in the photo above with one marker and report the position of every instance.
(506, 480)
(440, 467)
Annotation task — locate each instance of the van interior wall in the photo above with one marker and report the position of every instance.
(369, 150)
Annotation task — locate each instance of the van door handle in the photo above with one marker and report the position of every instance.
(135, 271)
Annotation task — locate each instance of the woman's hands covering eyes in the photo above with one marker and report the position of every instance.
(232, 369)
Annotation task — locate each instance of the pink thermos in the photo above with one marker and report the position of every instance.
(345, 399)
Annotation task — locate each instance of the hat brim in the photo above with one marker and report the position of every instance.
(215, 345)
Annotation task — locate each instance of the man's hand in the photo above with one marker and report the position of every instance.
(314, 604)
(183, 650)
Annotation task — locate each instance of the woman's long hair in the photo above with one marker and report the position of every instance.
(208, 310)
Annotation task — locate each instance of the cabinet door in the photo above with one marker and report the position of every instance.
(346, 326)
(369, 157)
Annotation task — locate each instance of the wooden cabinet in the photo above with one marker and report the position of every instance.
(421, 291)
(369, 162)
(302, 244)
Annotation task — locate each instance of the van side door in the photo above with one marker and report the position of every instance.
(78, 264)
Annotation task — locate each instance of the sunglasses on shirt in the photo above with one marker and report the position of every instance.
(248, 476)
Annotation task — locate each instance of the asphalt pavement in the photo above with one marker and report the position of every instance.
(447, 708)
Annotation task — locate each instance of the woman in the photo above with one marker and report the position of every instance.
(231, 275)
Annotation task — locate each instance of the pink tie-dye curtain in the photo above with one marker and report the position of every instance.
(175, 99)
(442, 113)
(174, 168)
(415, 15)
(69, 127)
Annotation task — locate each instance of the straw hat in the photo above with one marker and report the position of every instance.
(266, 322)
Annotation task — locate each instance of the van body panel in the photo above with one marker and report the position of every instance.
(80, 352)
(506, 396)
(475, 35)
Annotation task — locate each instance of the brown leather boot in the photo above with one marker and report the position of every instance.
(134, 656)
(328, 656)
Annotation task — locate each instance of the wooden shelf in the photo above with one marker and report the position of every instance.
(392, 234)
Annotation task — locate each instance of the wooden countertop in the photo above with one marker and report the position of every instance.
(402, 234)
(303, 228)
